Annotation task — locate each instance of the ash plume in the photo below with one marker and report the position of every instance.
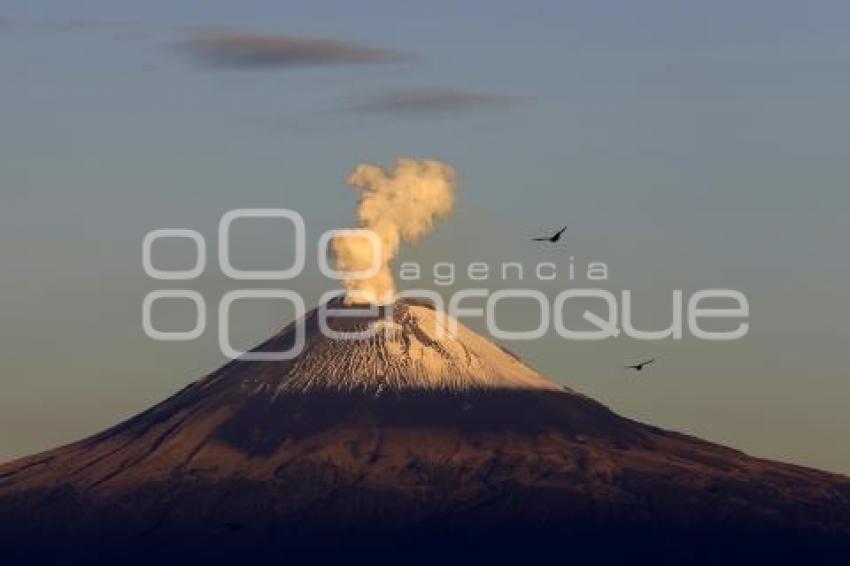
(399, 204)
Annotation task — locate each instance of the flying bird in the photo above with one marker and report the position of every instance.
(554, 238)
(640, 365)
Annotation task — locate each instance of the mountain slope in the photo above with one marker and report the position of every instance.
(406, 437)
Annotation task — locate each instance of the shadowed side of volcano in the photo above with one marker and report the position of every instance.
(522, 413)
(415, 470)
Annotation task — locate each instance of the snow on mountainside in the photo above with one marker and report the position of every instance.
(413, 350)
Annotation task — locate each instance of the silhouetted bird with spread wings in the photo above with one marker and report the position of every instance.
(554, 238)
(640, 365)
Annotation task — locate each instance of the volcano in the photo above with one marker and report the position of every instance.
(407, 445)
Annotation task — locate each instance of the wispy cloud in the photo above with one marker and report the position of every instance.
(432, 101)
(252, 51)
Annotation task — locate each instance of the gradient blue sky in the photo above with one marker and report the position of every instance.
(688, 145)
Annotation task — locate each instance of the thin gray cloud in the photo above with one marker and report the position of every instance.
(432, 101)
(252, 51)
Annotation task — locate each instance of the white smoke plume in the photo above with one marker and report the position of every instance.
(400, 205)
